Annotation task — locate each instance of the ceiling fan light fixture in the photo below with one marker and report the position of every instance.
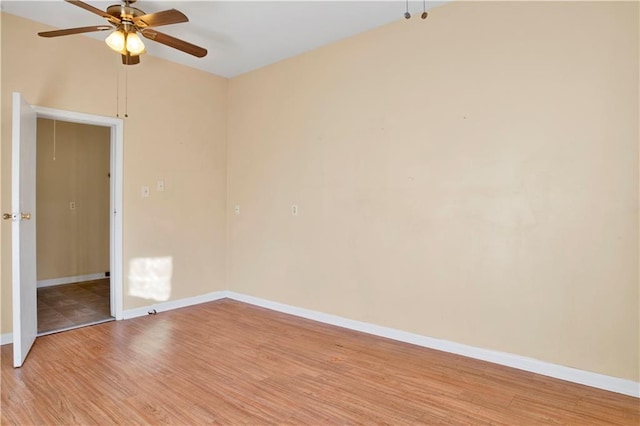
(135, 46)
(127, 23)
(116, 41)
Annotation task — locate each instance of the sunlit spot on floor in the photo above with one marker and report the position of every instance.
(153, 341)
(150, 278)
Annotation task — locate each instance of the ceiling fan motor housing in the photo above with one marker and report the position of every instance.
(124, 13)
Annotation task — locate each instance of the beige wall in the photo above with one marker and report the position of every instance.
(176, 131)
(74, 167)
(473, 177)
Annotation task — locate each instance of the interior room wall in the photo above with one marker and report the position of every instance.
(472, 177)
(175, 132)
(72, 167)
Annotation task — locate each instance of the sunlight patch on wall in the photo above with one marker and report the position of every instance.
(150, 278)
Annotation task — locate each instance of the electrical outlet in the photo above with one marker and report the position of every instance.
(72, 205)
(294, 209)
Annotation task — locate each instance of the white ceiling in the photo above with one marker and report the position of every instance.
(239, 35)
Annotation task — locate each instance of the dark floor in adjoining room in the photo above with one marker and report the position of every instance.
(71, 305)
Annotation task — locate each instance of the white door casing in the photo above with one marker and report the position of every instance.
(117, 148)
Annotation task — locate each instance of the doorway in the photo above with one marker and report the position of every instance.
(23, 207)
(72, 230)
(115, 179)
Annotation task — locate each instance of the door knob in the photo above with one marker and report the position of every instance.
(7, 216)
(25, 216)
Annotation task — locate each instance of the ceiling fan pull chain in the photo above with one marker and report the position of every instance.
(54, 140)
(126, 93)
(118, 93)
(424, 15)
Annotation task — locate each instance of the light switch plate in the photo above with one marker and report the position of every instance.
(160, 185)
(145, 192)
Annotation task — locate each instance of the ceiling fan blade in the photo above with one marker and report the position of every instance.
(95, 10)
(166, 17)
(176, 43)
(130, 60)
(80, 30)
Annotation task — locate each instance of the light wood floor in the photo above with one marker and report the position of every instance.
(73, 305)
(230, 363)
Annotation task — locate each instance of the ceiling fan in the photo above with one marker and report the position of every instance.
(127, 22)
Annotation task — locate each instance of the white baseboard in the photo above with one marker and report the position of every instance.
(70, 280)
(6, 338)
(596, 380)
(174, 304)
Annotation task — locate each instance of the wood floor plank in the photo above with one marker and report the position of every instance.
(227, 362)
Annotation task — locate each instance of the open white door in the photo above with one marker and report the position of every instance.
(23, 229)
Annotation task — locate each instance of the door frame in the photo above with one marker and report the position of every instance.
(116, 188)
